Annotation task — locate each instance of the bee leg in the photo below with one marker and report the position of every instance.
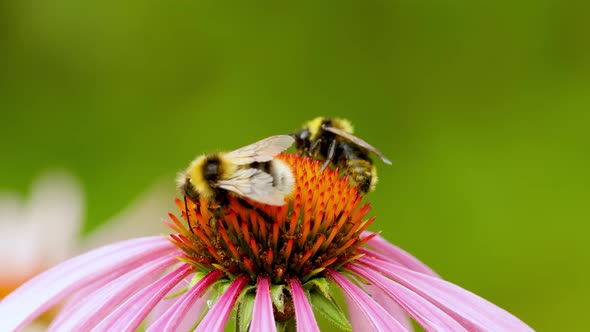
(314, 146)
(331, 153)
(219, 209)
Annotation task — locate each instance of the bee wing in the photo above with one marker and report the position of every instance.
(358, 141)
(261, 151)
(253, 184)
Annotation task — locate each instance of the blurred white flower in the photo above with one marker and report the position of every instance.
(44, 230)
(41, 231)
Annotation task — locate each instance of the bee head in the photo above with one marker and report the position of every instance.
(302, 139)
(326, 122)
(315, 127)
(211, 168)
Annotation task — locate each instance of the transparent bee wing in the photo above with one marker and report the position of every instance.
(261, 151)
(253, 184)
(358, 141)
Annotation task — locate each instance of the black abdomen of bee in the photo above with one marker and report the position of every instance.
(362, 173)
(359, 167)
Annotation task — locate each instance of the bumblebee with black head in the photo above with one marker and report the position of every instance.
(331, 140)
(251, 172)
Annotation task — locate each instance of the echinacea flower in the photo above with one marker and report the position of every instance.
(272, 268)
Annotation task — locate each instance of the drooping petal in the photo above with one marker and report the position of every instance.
(358, 320)
(304, 317)
(472, 311)
(377, 317)
(172, 318)
(72, 304)
(217, 317)
(87, 312)
(40, 293)
(396, 254)
(425, 313)
(390, 305)
(130, 314)
(262, 316)
(195, 312)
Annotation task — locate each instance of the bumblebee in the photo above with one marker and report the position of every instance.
(331, 140)
(250, 172)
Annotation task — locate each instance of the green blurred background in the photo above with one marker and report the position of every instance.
(482, 106)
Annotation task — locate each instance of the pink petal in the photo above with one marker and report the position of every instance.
(377, 318)
(472, 311)
(132, 312)
(171, 319)
(191, 317)
(263, 318)
(168, 301)
(425, 313)
(87, 312)
(71, 306)
(217, 317)
(304, 317)
(195, 312)
(391, 306)
(357, 319)
(397, 255)
(43, 291)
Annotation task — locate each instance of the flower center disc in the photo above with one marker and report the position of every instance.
(318, 227)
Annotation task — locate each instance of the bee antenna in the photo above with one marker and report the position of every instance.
(188, 218)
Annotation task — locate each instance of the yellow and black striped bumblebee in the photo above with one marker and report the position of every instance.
(331, 140)
(250, 172)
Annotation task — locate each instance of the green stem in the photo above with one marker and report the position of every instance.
(289, 326)
(237, 326)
